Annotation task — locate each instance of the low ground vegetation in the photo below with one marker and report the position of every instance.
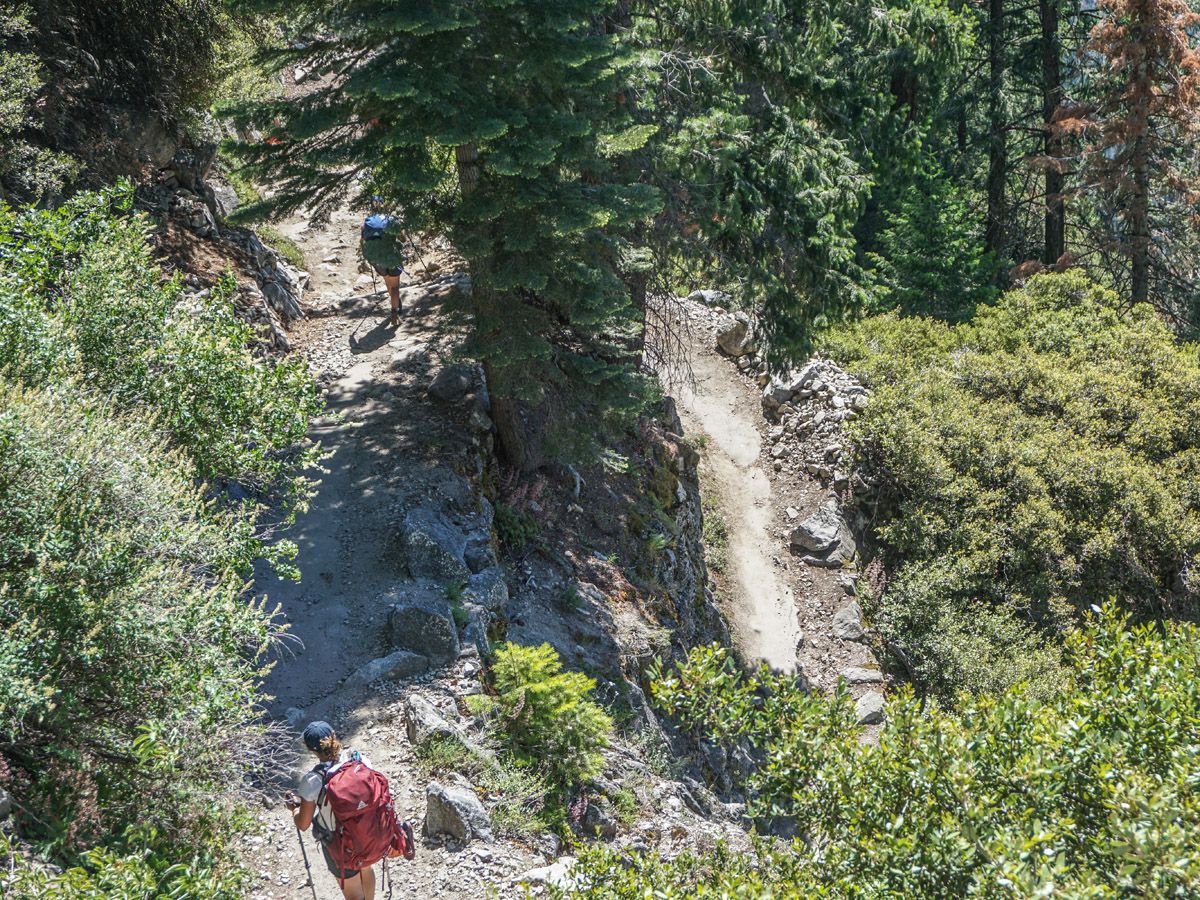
(1090, 793)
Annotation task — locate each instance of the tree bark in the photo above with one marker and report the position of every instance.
(993, 234)
(1139, 224)
(512, 435)
(1052, 96)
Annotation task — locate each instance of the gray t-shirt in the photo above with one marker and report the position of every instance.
(311, 784)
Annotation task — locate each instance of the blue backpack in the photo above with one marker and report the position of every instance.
(375, 227)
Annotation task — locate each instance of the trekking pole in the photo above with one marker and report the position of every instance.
(307, 867)
(417, 252)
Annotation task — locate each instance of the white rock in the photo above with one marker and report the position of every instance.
(869, 708)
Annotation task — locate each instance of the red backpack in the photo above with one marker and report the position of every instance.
(367, 829)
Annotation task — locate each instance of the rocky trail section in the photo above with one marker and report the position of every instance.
(401, 584)
(779, 463)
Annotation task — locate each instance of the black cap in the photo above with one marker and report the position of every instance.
(315, 733)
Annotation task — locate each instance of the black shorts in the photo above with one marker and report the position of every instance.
(335, 870)
(391, 273)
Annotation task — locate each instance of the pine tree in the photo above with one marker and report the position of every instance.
(494, 122)
(1144, 121)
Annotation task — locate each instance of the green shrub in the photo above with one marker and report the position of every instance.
(117, 327)
(514, 529)
(141, 874)
(141, 442)
(1044, 453)
(128, 652)
(1091, 793)
(546, 716)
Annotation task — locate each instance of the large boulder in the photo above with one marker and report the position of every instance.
(599, 820)
(776, 393)
(424, 625)
(734, 337)
(435, 548)
(455, 811)
(422, 721)
(394, 666)
(222, 199)
(819, 532)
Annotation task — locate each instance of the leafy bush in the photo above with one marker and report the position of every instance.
(127, 650)
(1091, 793)
(1044, 453)
(546, 716)
(140, 442)
(29, 171)
(133, 875)
(126, 334)
(514, 529)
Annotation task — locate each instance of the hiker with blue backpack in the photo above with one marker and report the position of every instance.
(380, 246)
(349, 807)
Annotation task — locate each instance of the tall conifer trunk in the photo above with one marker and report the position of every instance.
(997, 138)
(1052, 96)
(515, 445)
(1139, 225)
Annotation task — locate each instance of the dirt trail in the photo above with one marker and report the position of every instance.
(762, 608)
(389, 448)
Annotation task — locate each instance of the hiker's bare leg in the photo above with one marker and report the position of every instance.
(356, 888)
(392, 282)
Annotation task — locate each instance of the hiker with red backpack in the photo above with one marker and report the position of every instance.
(349, 808)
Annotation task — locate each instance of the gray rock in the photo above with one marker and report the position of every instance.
(283, 300)
(734, 337)
(599, 821)
(452, 383)
(825, 534)
(426, 626)
(295, 717)
(487, 588)
(801, 380)
(869, 708)
(221, 199)
(455, 811)
(422, 721)
(819, 532)
(849, 583)
(6, 804)
(862, 675)
(711, 298)
(478, 553)
(434, 546)
(775, 394)
(847, 622)
(394, 666)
